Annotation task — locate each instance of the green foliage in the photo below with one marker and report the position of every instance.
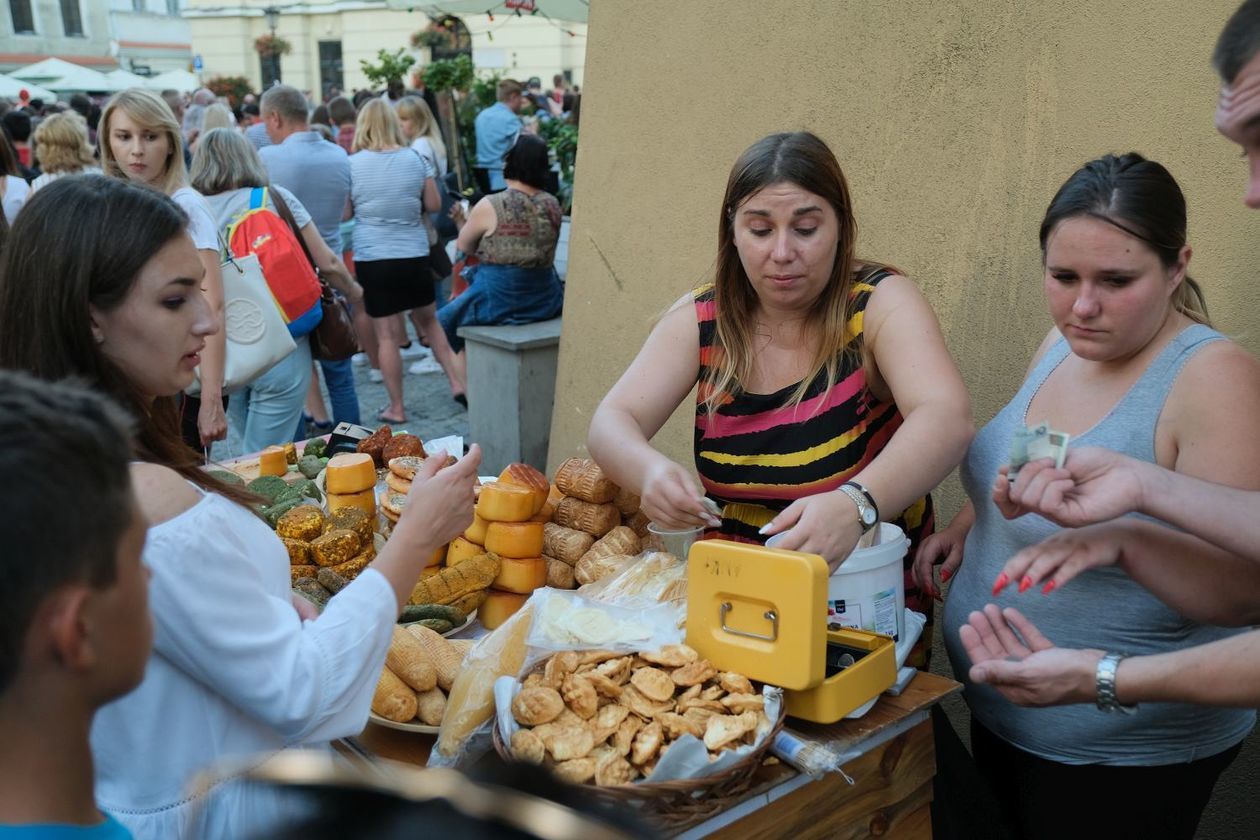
(449, 74)
(562, 140)
(233, 87)
(389, 66)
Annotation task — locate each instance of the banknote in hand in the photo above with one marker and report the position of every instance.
(1035, 443)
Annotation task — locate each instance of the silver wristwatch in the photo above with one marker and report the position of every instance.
(868, 512)
(1105, 679)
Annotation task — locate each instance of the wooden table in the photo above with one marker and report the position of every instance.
(890, 758)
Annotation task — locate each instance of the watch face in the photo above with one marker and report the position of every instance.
(868, 517)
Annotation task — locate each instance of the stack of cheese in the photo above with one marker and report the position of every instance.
(595, 527)
(508, 523)
(402, 470)
(350, 481)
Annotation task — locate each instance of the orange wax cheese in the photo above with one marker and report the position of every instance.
(364, 500)
(505, 503)
(460, 550)
(515, 539)
(476, 532)
(523, 475)
(272, 461)
(499, 607)
(437, 557)
(522, 576)
(350, 472)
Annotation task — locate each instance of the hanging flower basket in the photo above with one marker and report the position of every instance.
(431, 36)
(272, 45)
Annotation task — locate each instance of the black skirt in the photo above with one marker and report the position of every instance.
(393, 286)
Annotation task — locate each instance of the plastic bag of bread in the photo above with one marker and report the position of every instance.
(653, 577)
(470, 703)
(567, 621)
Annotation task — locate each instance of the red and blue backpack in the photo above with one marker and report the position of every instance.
(293, 283)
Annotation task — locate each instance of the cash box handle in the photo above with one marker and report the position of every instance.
(770, 615)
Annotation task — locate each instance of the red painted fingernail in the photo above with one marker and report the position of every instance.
(1000, 583)
(1025, 584)
(1048, 588)
(946, 574)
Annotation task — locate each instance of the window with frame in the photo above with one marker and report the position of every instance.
(71, 18)
(23, 18)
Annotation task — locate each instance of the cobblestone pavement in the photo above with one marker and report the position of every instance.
(431, 413)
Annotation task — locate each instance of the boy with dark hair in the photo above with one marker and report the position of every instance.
(75, 630)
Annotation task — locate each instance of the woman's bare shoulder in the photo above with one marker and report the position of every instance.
(163, 493)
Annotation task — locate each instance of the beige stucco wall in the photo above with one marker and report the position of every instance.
(224, 37)
(955, 122)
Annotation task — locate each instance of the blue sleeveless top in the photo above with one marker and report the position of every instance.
(1102, 608)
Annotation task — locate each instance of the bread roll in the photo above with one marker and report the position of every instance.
(393, 700)
(583, 479)
(594, 519)
(565, 544)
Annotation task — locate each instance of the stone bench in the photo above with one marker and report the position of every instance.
(511, 390)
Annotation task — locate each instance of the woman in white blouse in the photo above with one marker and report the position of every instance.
(109, 291)
(140, 141)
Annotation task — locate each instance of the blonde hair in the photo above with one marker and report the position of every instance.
(151, 111)
(417, 110)
(216, 116)
(802, 159)
(377, 127)
(61, 143)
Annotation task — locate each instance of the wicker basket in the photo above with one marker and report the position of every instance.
(681, 803)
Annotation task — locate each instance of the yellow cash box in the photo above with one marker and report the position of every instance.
(762, 612)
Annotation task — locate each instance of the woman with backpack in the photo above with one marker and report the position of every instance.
(140, 141)
(228, 171)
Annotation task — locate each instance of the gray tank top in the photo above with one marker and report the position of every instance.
(1102, 608)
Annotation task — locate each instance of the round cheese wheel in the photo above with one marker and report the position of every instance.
(499, 607)
(522, 576)
(476, 532)
(272, 461)
(364, 500)
(350, 472)
(515, 539)
(460, 550)
(523, 475)
(500, 502)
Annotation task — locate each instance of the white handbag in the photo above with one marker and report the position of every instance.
(257, 337)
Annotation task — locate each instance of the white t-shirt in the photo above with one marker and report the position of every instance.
(48, 177)
(15, 194)
(426, 150)
(200, 220)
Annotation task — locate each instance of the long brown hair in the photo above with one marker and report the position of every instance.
(81, 242)
(799, 158)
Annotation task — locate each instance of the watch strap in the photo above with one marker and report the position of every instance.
(864, 502)
(1105, 681)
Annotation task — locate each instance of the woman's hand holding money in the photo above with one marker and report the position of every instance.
(1094, 485)
(1056, 560)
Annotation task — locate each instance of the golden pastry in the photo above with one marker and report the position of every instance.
(693, 674)
(655, 685)
(528, 747)
(533, 706)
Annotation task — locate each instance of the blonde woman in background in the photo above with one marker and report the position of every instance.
(392, 188)
(62, 148)
(421, 130)
(217, 116)
(140, 141)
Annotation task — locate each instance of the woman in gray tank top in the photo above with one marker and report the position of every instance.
(1131, 365)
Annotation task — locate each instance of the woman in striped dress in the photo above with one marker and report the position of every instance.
(825, 389)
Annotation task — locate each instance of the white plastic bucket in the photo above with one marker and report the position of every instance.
(868, 591)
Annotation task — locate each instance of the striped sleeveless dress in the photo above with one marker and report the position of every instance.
(755, 455)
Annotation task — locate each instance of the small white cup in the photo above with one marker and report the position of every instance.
(677, 543)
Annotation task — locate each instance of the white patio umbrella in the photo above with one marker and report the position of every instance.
(11, 87)
(62, 76)
(126, 79)
(180, 80)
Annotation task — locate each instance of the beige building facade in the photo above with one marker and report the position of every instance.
(329, 39)
(955, 124)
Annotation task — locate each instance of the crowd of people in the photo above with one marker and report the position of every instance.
(368, 183)
(826, 401)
